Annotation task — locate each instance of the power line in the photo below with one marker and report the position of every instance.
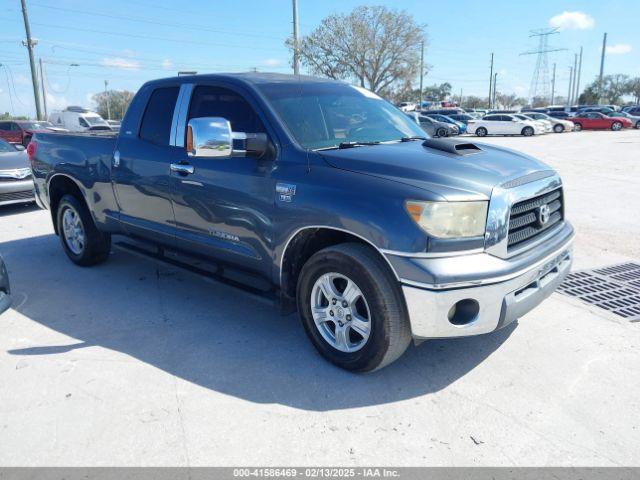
(155, 22)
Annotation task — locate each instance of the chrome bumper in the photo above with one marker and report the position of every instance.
(496, 302)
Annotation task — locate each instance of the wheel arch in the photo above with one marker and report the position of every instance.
(306, 241)
(58, 186)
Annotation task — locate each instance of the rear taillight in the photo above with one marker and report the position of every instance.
(31, 149)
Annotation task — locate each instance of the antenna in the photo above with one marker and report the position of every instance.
(540, 84)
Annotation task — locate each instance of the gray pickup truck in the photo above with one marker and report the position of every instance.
(323, 194)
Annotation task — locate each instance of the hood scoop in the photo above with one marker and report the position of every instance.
(457, 147)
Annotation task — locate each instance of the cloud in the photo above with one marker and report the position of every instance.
(56, 102)
(572, 21)
(167, 64)
(121, 63)
(272, 62)
(618, 49)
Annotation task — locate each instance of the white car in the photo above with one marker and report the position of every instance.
(558, 125)
(502, 124)
(544, 125)
(407, 106)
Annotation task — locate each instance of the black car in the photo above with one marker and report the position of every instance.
(556, 114)
(5, 291)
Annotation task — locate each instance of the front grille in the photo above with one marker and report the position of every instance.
(525, 223)
(7, 197)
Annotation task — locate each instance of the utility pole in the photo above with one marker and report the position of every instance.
(553, 84)
(30, 44)
(296, 47)
(573, 80)
(44, 92)
(570, 81)
(490, 79)
(106, 94)
(604, 48)
(576, 97)
(460, 98)
(495, 82)
(421, 72)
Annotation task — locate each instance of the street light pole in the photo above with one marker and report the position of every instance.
(296, 47)
(421, 72)
(106, 94)
(44, 92)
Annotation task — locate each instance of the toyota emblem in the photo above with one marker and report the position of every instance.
(544, 213)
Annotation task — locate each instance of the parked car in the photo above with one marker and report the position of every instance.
(634, 119)
(114, 124)
(407, 106)
(635, 111)
(462, 127)
(5, 289)
(21, 131)
(601, 109)
(598, 121)
(16, 183)
(557, 114)
(503, 125)
(78, 119)
(433, 127)
(558, 125)
(544, 126)
(462, 117)
(376, 234)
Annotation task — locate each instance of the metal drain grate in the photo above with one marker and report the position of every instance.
(615, 288)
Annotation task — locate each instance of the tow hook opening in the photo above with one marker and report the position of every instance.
(463, 312)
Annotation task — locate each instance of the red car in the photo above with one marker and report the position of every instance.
(21, 131)
(598, 121)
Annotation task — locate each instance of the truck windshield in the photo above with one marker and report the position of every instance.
(326, 115)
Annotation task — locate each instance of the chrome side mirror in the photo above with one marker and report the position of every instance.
(209, 137)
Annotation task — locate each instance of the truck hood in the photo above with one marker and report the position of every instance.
(448, 175)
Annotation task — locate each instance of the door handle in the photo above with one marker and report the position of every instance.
(182, 169)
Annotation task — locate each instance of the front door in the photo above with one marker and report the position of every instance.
(224, 209)
(140, 171)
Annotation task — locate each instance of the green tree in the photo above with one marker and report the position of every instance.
(114, 101)
(471, 101)
(614, 87)
(373, 46)
(8, 116)
(633, 88)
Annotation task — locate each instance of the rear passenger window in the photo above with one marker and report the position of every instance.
(156, 122)
(222, 102)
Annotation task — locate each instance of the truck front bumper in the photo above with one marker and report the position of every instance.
(502, 291)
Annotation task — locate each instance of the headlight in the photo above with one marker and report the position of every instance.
(449, 219)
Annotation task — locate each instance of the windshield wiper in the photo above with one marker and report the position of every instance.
(342, 145)
(409, 139)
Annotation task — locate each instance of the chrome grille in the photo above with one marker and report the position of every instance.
(525, 221)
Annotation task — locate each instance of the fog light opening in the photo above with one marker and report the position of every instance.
(463, 312)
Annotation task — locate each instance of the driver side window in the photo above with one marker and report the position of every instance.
(209, 101)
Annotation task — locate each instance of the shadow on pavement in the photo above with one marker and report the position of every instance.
(18, 208)
(211, 334)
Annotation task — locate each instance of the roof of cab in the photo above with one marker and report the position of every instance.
(253, 78)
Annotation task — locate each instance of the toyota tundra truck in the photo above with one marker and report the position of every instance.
(323, 195)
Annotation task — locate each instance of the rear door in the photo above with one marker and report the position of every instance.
(11, 132)
(140, 170)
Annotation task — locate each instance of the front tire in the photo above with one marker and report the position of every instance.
(528, 131)
(352, 308)
(559, 128)
(81, 240)
(615, 126)
(481, 132)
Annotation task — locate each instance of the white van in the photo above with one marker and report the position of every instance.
(78, 119)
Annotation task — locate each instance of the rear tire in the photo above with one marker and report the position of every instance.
(528, 131)
(81, 240)
(638, 124)
(558, 128)
(615, 126)
(481, 132)
(335, 327)
(577, 127)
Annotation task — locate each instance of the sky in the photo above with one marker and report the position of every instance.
(84, 42)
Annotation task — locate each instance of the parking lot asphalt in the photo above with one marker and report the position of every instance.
(134, 362)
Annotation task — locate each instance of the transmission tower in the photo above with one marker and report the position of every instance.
(540, 83)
